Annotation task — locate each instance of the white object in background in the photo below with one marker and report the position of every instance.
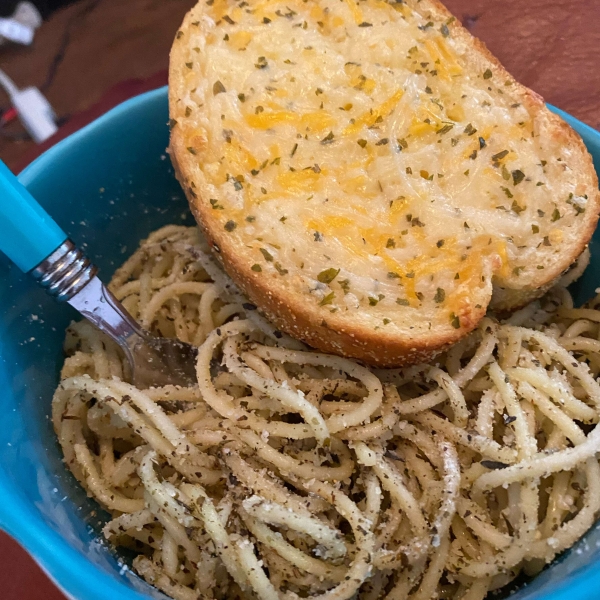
(33, 109)
(13, 31)
(22, 25)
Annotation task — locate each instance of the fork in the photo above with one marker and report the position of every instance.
(38, 246)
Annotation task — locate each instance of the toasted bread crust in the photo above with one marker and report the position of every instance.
(327, 331)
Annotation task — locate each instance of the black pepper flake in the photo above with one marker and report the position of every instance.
(440, 243)
(392, 275)
(172, 123)
(454, 320)
(382, 142)
(266, 20)
(179, 34)
(294, 149)
(508, 419)
(373, 301)
(188, 111)
(546, 241)
(493, 464)
(230, 226)
(535, 229)
(440, 296)
(473, 155)
(482, 143)
(189, 65)
(402, 302)
(444, 30)
(191, 150)
(555, 215)
(518, 176)
(242, 97)
(365, 24)
(318, 236)
(390, 243)
(256, 268)
(249, 305)
(488, 74)
(218, 88)
(507, 192)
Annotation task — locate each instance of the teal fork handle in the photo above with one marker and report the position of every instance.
(27, 232)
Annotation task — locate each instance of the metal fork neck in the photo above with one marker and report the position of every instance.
(68, 275)
(65, 272)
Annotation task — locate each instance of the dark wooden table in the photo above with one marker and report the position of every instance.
(83, 51)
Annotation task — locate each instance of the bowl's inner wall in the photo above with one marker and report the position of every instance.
(108, 190)
(109, 186)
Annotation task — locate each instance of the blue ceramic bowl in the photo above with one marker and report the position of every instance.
(108, 186)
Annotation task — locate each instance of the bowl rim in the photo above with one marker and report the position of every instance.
(84, 580)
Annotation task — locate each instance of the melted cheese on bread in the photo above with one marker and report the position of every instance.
(360, 152)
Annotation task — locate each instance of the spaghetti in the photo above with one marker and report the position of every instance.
(287, 473)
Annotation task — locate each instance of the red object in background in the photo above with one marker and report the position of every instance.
(20, 577)
(8, 116)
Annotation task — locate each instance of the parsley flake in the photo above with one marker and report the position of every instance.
(268, 256)
(327, 299)
(328, 275)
